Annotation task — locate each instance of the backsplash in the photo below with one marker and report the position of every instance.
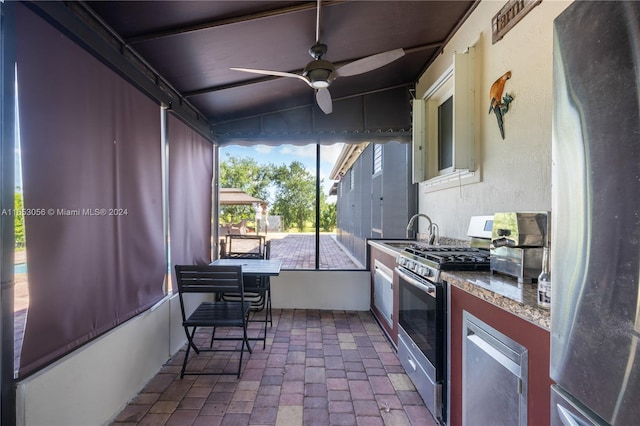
(444, 241)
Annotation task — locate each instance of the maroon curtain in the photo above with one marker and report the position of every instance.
(190, 195)
(91, 159)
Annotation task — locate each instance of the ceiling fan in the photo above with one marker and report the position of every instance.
(320, 73)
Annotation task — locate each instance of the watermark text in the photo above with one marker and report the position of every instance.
(66, 212)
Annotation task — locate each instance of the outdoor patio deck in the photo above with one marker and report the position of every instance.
(318, 368)
(295, 250)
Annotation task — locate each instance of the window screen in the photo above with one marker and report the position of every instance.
(445, 134)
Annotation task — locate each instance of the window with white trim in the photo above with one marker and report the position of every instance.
(444, 128)
(377, 158)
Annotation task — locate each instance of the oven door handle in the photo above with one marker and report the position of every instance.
(429, 288)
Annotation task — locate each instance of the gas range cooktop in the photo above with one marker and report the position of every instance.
(450, 257)
(427, 260)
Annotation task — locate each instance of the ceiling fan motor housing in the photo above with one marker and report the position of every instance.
(318, 50)
(319, 73)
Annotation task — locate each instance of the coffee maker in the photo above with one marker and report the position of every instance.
(517, 243)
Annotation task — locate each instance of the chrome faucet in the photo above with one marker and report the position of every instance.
(413, 219)
(434, 238)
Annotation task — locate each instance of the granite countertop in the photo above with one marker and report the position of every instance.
(503, 292)
(499, 290)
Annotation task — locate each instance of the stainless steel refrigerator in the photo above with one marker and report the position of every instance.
(595, 312)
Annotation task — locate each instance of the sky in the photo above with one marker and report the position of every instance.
(285, 154)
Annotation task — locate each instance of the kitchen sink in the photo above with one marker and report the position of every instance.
(398, 244)
(392, 246)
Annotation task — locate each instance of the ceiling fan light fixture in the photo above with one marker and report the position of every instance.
(320, 84)
(319, 78)
(319, 73)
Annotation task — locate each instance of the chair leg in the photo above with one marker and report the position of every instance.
(189, 346)
(266, 317)
(240, 362)
(190, 339)
(241, 354)
(246, 340)
(267, 302)
(269, 307)
(213, 335)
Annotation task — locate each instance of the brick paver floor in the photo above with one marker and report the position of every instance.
(297, 251)
(318, 368)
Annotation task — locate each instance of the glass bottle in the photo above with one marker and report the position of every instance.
(544, 282)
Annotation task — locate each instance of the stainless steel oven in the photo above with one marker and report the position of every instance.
(422, 316)
(421, 336)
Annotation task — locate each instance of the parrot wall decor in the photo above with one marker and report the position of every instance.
(500, 105)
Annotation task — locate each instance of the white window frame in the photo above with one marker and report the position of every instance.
(456, 81)
(378, 154)
(433, 104)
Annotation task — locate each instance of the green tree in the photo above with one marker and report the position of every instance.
(295, 194)
(247, 175)
(18, 220)
(328, 215)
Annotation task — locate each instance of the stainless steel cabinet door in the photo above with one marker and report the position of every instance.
(383, 291)
(494, 376)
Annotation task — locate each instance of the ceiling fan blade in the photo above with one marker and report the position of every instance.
(323, 98)
(369, 63)
(274, 73)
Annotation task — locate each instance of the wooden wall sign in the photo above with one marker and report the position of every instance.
(509, 16)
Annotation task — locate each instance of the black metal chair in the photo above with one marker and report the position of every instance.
(214, 280)
(260, 288)
(243, 246)
(266, 285)
(257, 288)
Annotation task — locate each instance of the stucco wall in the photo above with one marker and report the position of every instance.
(92, 384)
(515, 172)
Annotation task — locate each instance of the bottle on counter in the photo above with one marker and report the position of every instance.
(544, 282)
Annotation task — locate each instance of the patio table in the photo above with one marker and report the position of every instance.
(264, 267)
(257, 267)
